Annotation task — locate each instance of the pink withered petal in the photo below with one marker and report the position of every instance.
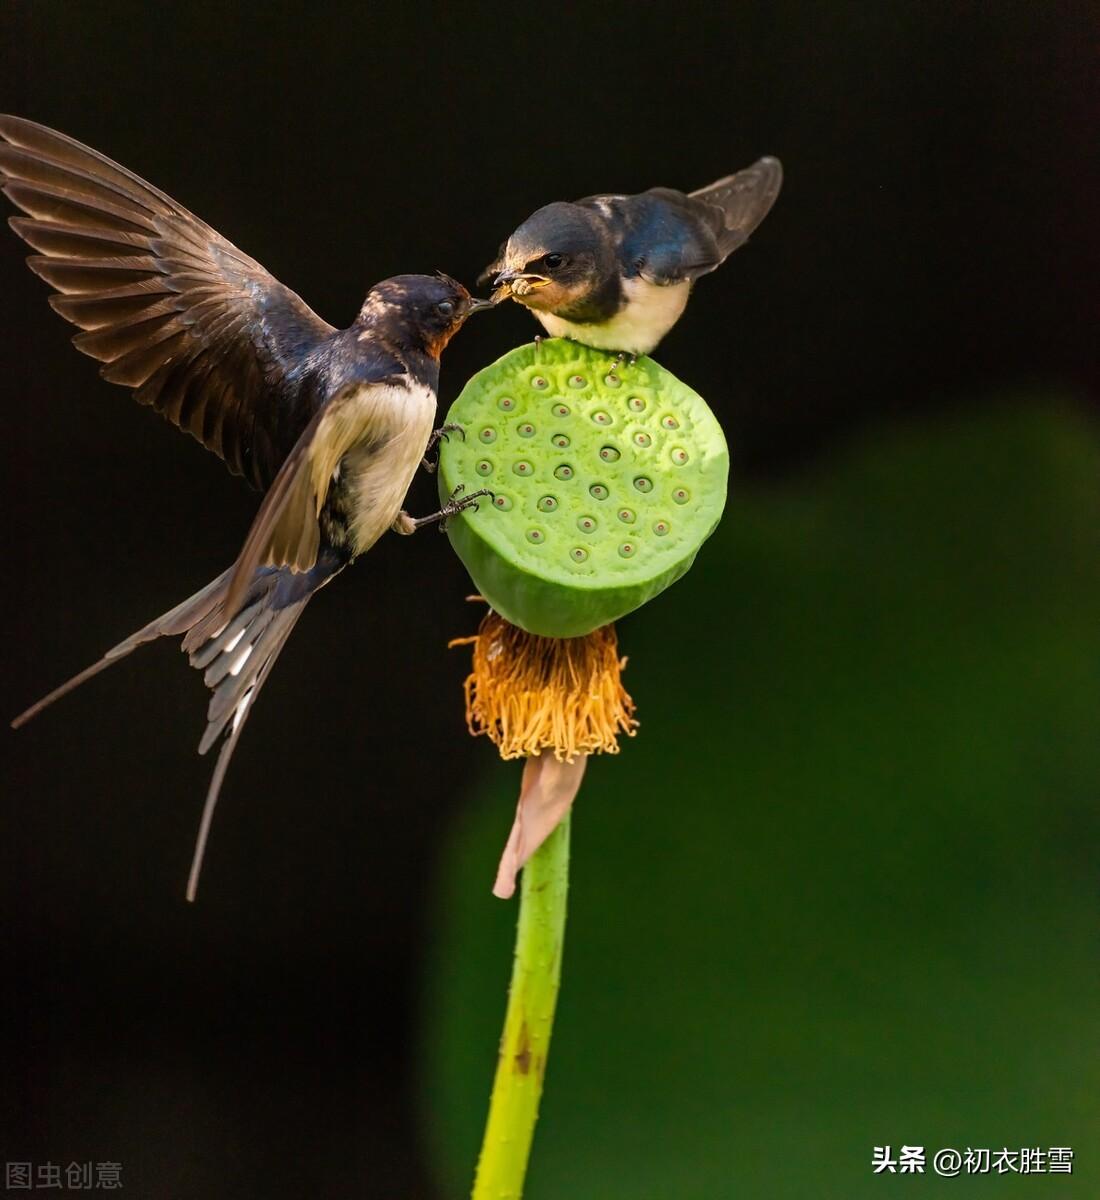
(545, 796)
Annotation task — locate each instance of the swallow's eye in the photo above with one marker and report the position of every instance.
(553, 261)
(445, 308)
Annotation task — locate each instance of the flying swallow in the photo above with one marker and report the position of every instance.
(615, 272)
(331, 424)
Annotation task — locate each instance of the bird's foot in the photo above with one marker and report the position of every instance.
(439, 435)
(539, 339)
(616, 363)
(405, 524)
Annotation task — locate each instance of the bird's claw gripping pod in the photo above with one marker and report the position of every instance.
(606, 481)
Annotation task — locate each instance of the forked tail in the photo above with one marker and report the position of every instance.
(235, 651)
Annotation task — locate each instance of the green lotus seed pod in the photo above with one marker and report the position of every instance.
(606, 483)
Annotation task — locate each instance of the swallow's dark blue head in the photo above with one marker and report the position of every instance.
(423, 311)
(557, 261)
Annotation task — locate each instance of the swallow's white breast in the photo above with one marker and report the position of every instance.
(394, 423)
(647, 314)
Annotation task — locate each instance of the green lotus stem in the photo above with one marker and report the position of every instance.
(525, 1043)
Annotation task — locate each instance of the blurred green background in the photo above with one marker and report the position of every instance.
(840, 890)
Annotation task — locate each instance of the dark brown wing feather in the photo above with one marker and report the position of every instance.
(200, 331)
(744, 199)
(285, 531)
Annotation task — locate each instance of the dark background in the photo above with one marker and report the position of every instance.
(928, 274)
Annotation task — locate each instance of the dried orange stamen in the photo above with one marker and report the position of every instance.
(529, 693)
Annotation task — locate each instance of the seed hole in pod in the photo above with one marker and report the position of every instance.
(561, 410)
(560, 440)
(636, 404)
(670, 422)
(547, 504)
(679, 456)
(565, 471)
(540, 382)
(643, 483)
(506, 403)
(612, 381)
(523, 467)
(601, 417)
(485, 467)
(488, 434)
(642, 439)
(681, 495)
(660, 528)
(598, 492)
(609, 454)
(578, 554)
(536, 536)
(627, 549)
(577, 381)
(586, 524)
(504, 503)
(627, 516)
(526, 429)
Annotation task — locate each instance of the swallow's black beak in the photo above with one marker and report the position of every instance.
(518, 283)
(478, 305)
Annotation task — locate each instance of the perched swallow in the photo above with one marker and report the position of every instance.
(615, 272)
(331, 423)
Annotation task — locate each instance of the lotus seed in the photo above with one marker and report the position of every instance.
(535, 535)
(643, 484)
(626, 515)
(670, 422)
(507, 403)
(598, 491)
(504, 503)
(577, 381)
(563, 472)
(560, 440)
(679, 456)
(485, 467)
(526, 429)
(627, 549)
(523, 467)
(642, 439)
(548, 504)
(561, 410)
(488, 434)
(660, 528)
(609, 454)
(578, 553)
(636, 404)
(540, 382)
(586, 524)
(612, 381)
(681, 495)
(601, 417)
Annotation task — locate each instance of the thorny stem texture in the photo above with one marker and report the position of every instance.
(525, 1043)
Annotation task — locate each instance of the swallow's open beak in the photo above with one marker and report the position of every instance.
(519, 283)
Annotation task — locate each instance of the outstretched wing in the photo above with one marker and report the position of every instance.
(200, 331)
(743, 201)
